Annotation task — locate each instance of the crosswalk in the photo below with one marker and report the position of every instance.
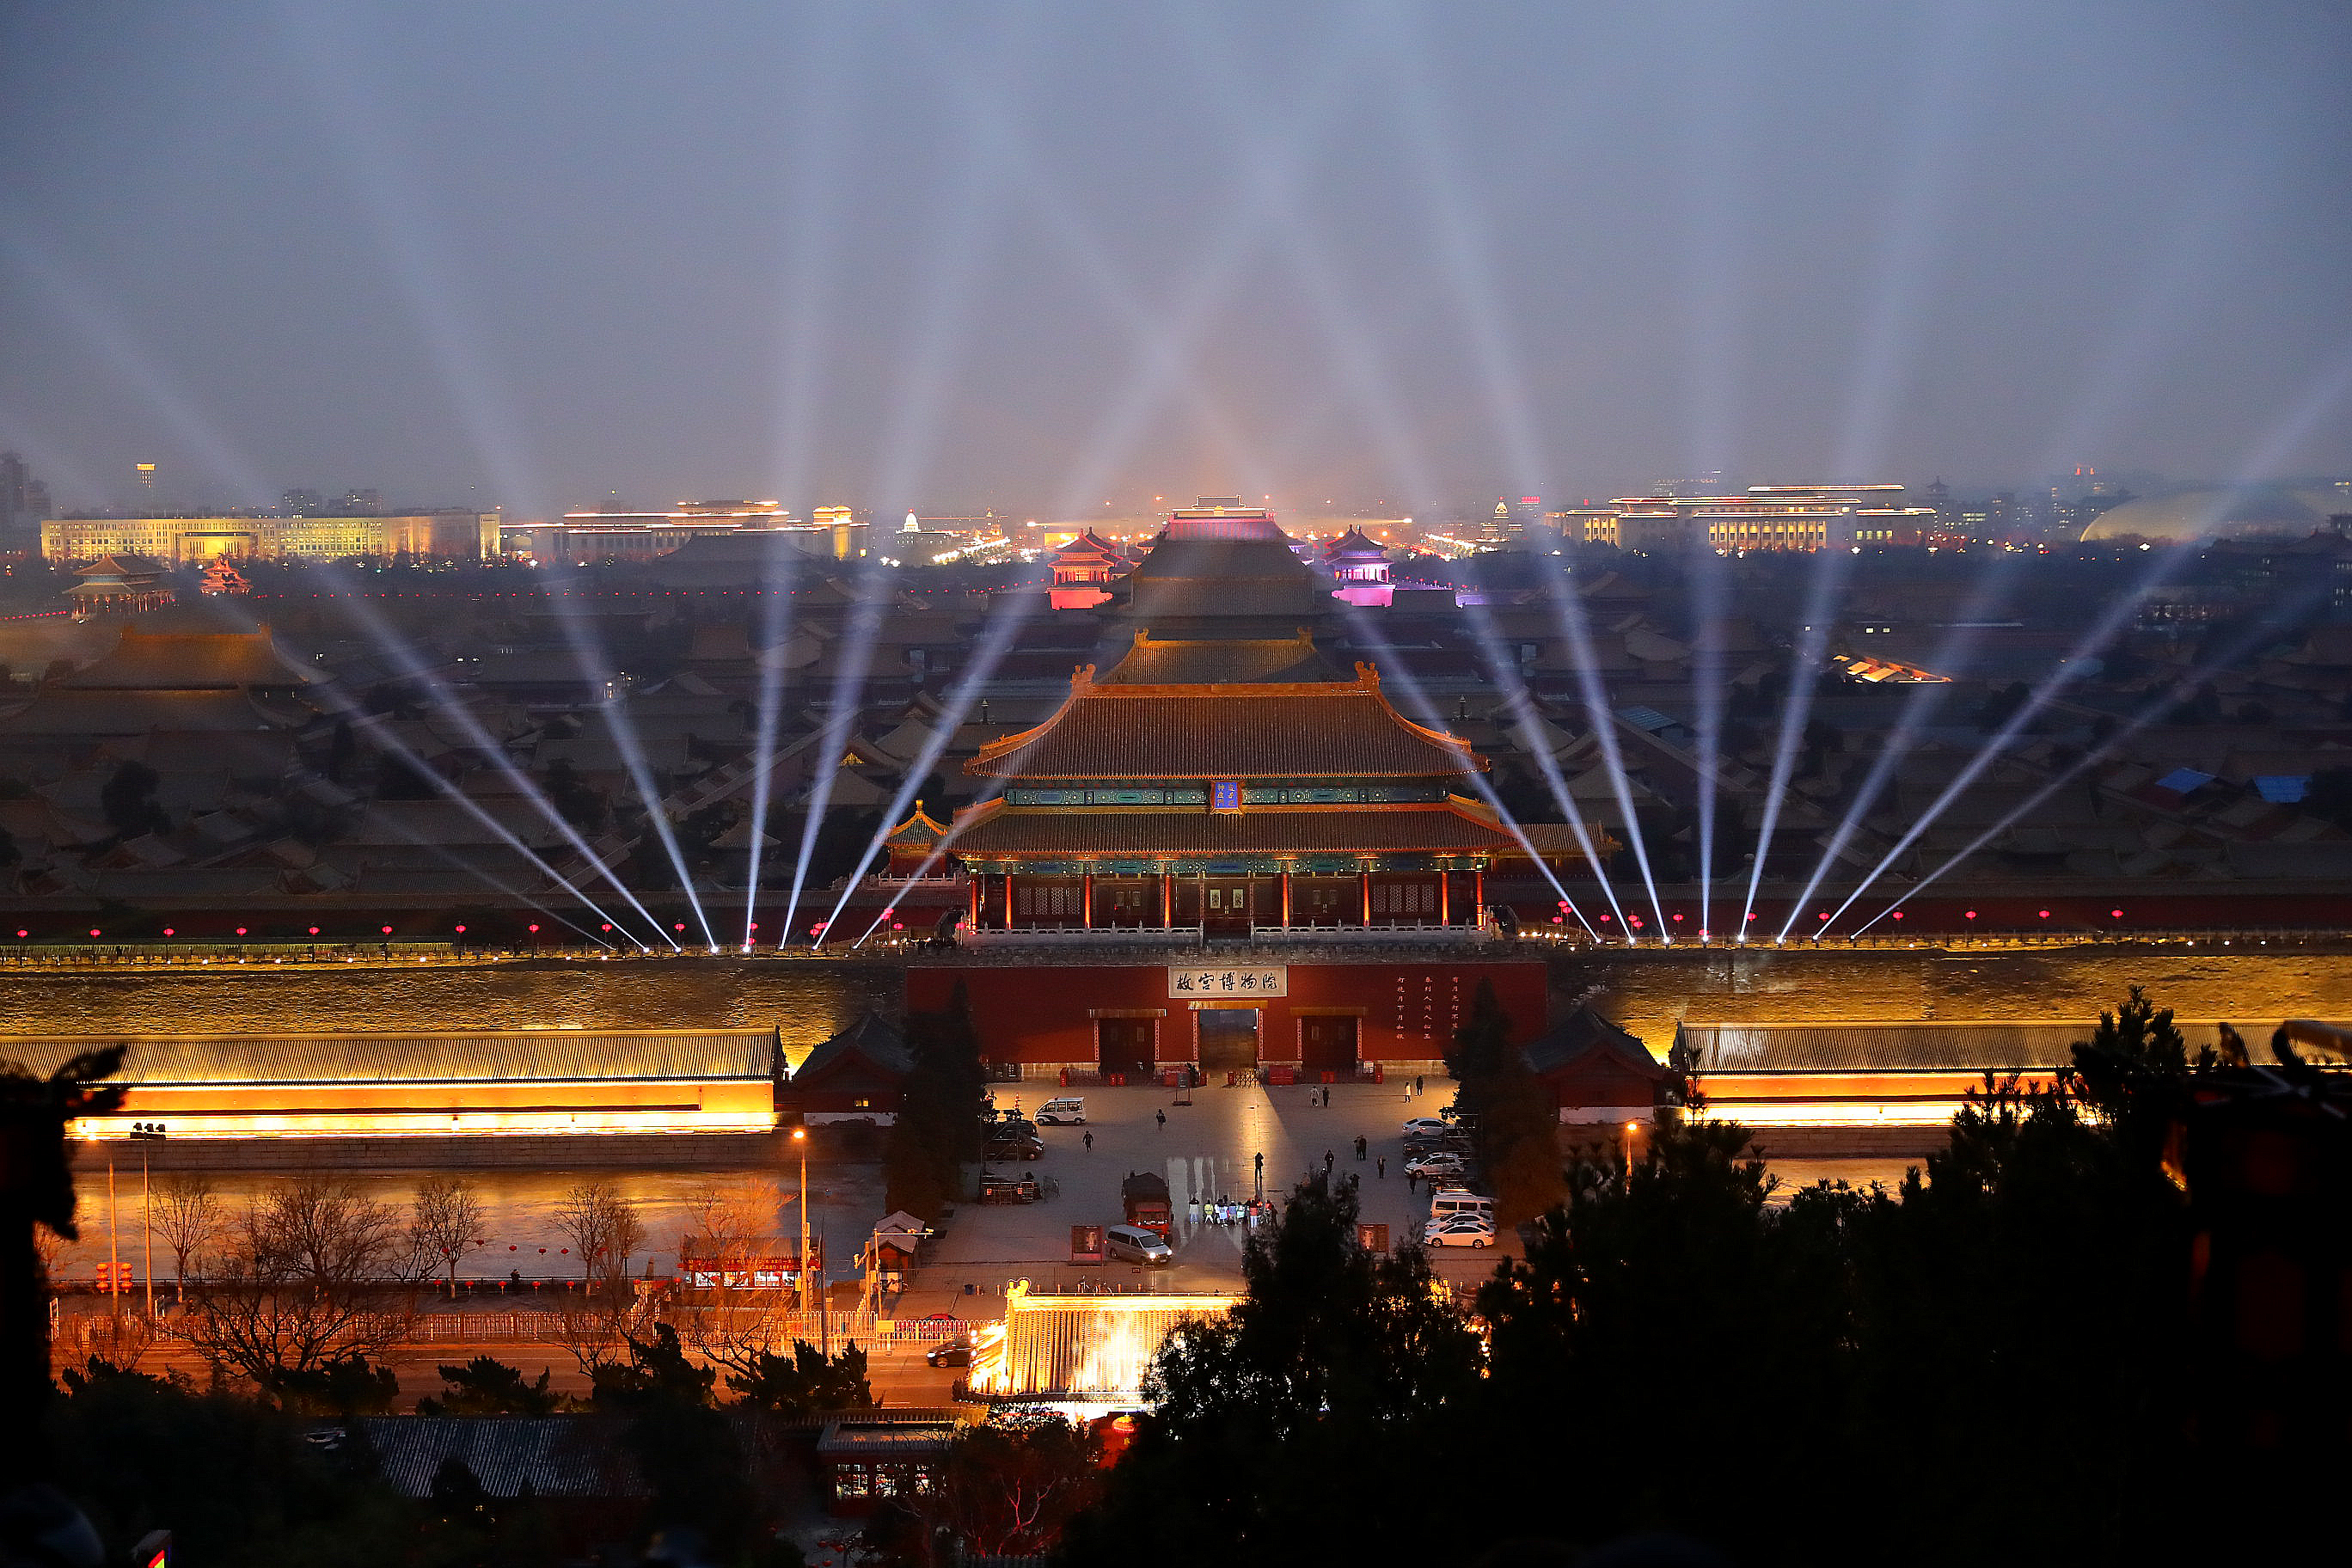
(1200, 1179)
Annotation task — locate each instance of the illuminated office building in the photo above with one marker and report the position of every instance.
(181, 540)
(1765, 517)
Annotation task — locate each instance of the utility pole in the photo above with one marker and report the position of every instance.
(148, 1132)
(113, 1253)
(800, 1136)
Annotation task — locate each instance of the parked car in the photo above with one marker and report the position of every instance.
(1458, 1232)
(1456, 1236)
(1439, 1165)
(949, 1355)
(1417, 1125)
(1066, 1112)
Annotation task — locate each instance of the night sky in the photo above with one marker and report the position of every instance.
(1042, 257)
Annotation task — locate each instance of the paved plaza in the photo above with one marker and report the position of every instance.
(1205, 1151)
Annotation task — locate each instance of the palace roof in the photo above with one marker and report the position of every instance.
(1343, 729)
(1154, 661)
(1452, 827)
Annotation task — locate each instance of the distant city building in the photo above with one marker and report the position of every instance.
(301, 502)
(183, 541)
(1766, 517)
(582, 537)
(23, 502)
(146, 474)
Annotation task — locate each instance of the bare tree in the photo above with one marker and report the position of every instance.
(596, 1331)
(604, 1228)
(722, 1310)
(446, 1219)
(190, 1216)
(309, 1272)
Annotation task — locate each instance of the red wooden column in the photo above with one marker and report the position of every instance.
(1444, 896)
(1167, 901)
(1086, 899)
(1479, 894)
(975, 900)
(1286, 898)
(1365, 878)
(1008, 901)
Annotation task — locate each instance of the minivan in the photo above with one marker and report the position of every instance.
(1071, 1112)
(1459, 1200)
(1133, 1244)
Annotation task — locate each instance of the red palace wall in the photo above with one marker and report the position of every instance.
(1404, 1012)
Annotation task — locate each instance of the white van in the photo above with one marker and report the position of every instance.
(1133, 1244)
(1068, 1113)
(1451, 1200)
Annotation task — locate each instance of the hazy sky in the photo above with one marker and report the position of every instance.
(1040, 256)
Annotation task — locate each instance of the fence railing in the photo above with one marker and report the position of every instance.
(870, 1329)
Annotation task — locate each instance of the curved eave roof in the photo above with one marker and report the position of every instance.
(1454, 827)
(1339, 730)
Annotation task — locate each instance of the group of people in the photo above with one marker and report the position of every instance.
(1225, 1211)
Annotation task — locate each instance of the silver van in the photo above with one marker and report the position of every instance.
(1133, 1244)
(1070, 1111)
(1451, 1200)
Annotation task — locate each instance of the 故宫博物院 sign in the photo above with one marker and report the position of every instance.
(1201, 980)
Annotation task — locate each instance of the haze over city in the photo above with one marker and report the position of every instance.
(1042, 257)
(1505, 785)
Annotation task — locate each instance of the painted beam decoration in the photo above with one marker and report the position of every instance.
(1191, 981)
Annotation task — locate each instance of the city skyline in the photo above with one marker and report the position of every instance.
(1041, 260)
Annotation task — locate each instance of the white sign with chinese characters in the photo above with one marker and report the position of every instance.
(1202, 980)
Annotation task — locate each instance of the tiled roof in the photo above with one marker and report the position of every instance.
(559, 1456)
(1585, 1033)
(871, 1037)
(1268, 830)
(524, 1055)
(1907, 1045)
(1222, 661)
(1345, 730)
(189, 662)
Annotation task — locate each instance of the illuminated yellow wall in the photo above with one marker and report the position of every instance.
(378, 1110)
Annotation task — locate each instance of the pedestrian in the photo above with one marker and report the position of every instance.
(1327, 1162)
(1090, 1142)
(1409, 1180)
(1416, 1083)
(1382, 1165)
(1359, 1146)
(1161, 1116)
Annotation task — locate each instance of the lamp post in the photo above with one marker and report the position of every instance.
(146, 1133)
(799, 1137)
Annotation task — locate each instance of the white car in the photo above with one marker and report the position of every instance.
(1426, 1126)
(1458, 1232)
(1437, 1165)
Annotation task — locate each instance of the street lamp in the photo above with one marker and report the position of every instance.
(143, 1133)
(800, 1136)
